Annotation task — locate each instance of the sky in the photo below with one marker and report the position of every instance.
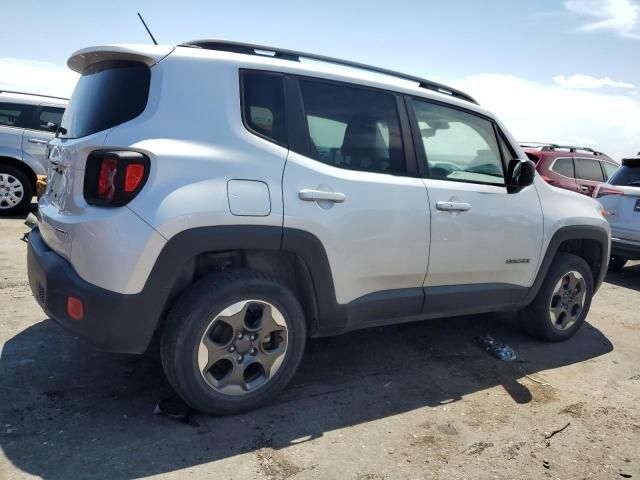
(553, 71)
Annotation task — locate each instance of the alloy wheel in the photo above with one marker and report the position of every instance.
(11, 191)
(243, 347)
(567, 300)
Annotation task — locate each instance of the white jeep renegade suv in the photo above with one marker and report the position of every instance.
(233, 200)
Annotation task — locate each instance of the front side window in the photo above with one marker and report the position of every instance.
(353, 128)
(459, 146)
(609, 169)
(564, 167)
(588, 170)
(15, 115)
(264, 106)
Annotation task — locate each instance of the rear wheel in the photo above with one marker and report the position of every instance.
(563, 302)
(233, 342)
(616, 263)
(16, 191)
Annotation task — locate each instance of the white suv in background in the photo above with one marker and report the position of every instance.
(233, 200)
(27, 123)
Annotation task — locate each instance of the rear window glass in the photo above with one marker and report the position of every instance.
(564, 166)
(107, 94)
(626, 176)
(588, 170)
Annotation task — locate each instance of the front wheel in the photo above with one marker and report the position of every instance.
(563, 302)
(233, 341)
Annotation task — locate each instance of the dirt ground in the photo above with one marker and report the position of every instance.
(414, 401)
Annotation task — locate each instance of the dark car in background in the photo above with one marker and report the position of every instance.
(579, 169)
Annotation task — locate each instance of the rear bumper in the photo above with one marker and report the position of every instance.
(625, 248)
(112, 321)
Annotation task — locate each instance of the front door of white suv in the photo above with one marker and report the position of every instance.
(480, 234)
(352, 191)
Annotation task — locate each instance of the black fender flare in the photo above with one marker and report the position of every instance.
(563, 234)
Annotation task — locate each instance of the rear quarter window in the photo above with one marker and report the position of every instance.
(107, 94)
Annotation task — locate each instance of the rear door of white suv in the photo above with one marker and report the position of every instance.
(354, 186)
(481, 235)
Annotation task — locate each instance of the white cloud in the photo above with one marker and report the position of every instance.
(534, 111)
(36, 77)
(587, 81)
(620, 16)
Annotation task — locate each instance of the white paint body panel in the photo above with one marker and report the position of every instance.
(474, 246)
(377, 239)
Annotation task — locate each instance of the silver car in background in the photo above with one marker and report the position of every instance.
(27, 123)
(620, 197)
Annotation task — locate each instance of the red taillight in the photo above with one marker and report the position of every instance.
(603, 191)
(133, 176)
(114, 177)
(75, 309)
(106, 178)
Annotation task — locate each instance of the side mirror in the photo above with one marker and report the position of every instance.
(52, 127)
(520, 174)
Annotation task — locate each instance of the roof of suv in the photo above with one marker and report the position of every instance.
(31, 98)
(243, 55)
(552, 150)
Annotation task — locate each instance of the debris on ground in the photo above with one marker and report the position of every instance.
(549, 435)
(545, 464)
(175, 409)
(493, 347)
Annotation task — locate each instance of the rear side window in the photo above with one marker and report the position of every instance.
(48, 118)
(626, 176)
(564, 166)
(263, 105)
(588, 170)
(107, 94)
(353, 128)
(15, 115)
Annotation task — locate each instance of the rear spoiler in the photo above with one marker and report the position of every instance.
(148, 54)
(631, 162)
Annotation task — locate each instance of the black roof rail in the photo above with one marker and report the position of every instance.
(552, 146)
(294, 55)
(33, 94)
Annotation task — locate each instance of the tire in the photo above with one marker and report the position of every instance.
(14, 183)
(222, 306)
(616, 263)
(543, 318)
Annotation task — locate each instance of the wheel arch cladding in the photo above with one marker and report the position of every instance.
(588, 242)
(296, 258)
(23, 167)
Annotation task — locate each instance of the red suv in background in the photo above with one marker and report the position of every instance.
(579, 169)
